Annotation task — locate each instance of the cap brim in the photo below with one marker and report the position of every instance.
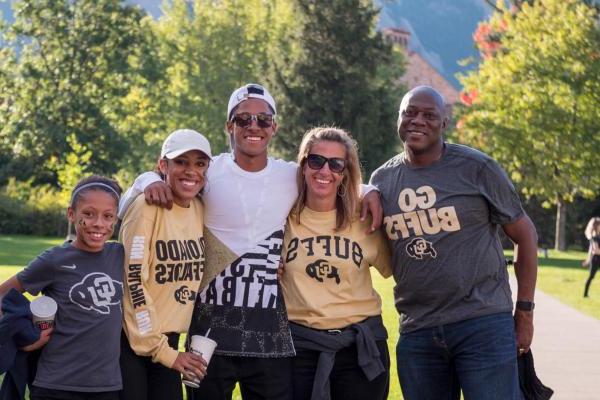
(173, 154)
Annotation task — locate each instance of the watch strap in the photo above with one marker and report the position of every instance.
(525, 305)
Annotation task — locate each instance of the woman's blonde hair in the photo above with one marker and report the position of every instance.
(348, 196)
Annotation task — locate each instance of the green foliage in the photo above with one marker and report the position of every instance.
(75, 167)
(544, 219)
(95, 86)
(101, 74)
(536, 101)
(337, 70)
(205, 50)
(73, 66)
(33, 210)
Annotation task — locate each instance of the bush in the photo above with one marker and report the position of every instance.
(20, 218)
(31, 211)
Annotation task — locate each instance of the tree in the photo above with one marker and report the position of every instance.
(206, 50)
(534, 102)
(334, 68)
(75, 167)
(499, 5)
(516, 4)
(64, 74)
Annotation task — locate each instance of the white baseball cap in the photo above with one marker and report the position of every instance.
(183, 140)
(250, 90)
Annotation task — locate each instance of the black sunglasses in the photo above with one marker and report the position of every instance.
(316, 162)
(244, 120)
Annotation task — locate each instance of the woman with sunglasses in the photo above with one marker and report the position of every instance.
(334, 312)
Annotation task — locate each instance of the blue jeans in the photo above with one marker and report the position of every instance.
(477, 355)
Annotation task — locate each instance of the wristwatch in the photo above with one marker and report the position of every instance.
(525, 305)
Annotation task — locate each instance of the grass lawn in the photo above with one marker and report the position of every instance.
(560, 275)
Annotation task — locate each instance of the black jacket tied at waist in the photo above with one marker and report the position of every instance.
(364, 335)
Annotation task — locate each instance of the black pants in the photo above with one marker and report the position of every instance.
(259, 379)
(147, 380)
(593, 269)
(347, 380)
(38, 393)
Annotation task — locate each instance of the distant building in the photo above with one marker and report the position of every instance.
(418, 70)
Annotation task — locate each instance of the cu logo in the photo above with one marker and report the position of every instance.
(184, 294)
(103, 291)
(419, 247)
(322, 269)
(97, 291)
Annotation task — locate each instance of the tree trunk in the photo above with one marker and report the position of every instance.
(560, 240)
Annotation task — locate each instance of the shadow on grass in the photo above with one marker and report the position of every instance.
(570, 259)
(559, 263)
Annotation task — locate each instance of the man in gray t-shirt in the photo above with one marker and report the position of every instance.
(443, 206)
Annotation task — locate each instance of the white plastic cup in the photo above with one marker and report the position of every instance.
(43, 310)
(204, 347)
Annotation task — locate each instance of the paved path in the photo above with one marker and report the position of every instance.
(566, 349)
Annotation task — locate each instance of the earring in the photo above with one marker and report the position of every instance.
(343, 190)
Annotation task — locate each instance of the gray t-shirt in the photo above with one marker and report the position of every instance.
(83, 352)
(442, 222)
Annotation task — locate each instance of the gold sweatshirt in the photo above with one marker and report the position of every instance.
(327, 281)
(164, 262)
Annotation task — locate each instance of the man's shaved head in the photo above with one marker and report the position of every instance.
(424, 90)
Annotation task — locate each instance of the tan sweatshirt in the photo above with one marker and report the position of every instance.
(327, 280)
(164, 262)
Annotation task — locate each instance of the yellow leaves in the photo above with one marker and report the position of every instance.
(516, 176)
(578, 67)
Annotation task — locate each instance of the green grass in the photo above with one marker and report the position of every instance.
(559, 275)
(17, 250)
(390, 319)
(562, 276)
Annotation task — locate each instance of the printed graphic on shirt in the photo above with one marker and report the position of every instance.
(321, 270)
(251, 280)
(419, 247)
(327, 246)
(180, 260)
(97, 291)
(185, 295)
(177, 261)
(134, 271)
(420, 217)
